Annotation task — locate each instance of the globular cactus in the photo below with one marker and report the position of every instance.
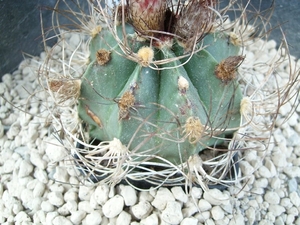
(163, 99)
(174, 93)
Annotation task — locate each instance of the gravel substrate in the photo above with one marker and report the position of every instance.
(40, 186)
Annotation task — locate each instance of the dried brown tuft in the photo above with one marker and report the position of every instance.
(102, 56)
(125, 103)
(226, 69)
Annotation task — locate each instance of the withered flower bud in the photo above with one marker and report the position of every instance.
(147, 15)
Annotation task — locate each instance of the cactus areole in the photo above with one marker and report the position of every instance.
(162, 80)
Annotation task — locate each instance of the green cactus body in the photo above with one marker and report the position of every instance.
(159, 110)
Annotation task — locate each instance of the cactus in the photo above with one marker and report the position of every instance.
(162, 99)
(175, 100)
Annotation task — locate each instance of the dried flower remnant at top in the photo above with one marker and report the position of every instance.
(147, 15)
(194, 20)
(226, 69)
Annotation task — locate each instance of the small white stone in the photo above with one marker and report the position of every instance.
(61, 220)
(77, 217)
(141, 210)
(124, 218)
(189, 221)
(275, 183)
(261, 183)
(26, 197)
(39, 217)
(94, 218)
(246, 168)
(217, 213)
(101, 194)
(237, 219)
(56, 198)
(179, 194)
(286, 203)
(55, 151)
(292, 171)
(22, 217)
(293, 211)
(36, 159)
(277, 210)
(163, 195)
(272, 197)
(216, 197)
(25, 168)
(71, 195)
(113, 206)
(47, 206)
(85, 192)
(204, 205)
(41, 175)
(264, 172)
(145, 196)
(71, 205)
(279, 159)
(202, 217)
(150, 220)
(50, 216)
(250, 213)
(8, 166)
(196, 192)
(85, 206)
(172, 213)
(39, 189)
(189, 208)
(61, 174)
(295, 199)
(129, 195)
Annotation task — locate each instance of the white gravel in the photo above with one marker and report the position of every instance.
(39, 185)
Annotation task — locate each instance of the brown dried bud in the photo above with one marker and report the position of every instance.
(226, 69)
(102, 56)
(147, 15)
(195, 19)
(125, 103)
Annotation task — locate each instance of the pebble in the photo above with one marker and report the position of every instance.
(216, 197)
(292, 185)
(163, 195)
(47, 206)
(61, 220)
(113, 206)
(179, 194)
(150, 220)
(61, 174)
(250, 214)
(94, 218)
(85, 206)
(204, 205)
(292, 171)
(124, 218)
(77, 217)
(172, 213)
(56, 198)
(272, 197)
(295, 199)
(101, 194)
(25, 168)
(217, 213)
(277, 210)
(141, 210)
(85, 192)
(129, 195)
(189, 221)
